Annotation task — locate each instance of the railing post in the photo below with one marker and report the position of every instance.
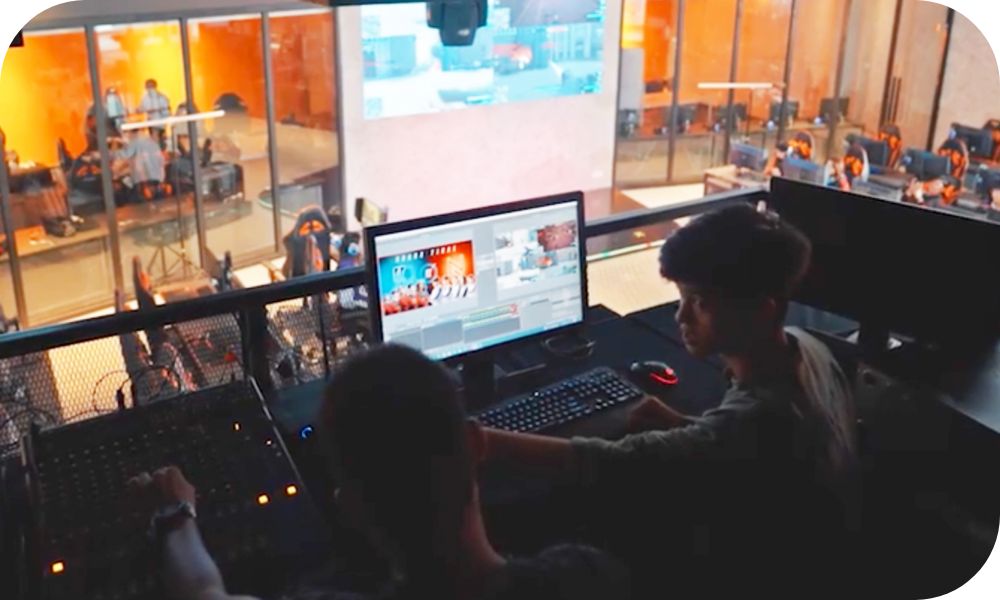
(253, 329)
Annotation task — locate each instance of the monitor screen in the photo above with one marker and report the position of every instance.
(978, 141)
(877, 150)
(526, 51)
(913, 270)
(456, 284)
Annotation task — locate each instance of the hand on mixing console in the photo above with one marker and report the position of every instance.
(164, 487)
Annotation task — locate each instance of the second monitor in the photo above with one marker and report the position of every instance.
(457, 284)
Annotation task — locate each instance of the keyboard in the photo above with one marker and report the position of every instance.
(563, 402)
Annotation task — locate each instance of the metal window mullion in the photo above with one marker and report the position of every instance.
(672, 133)
(8, 229)
(102, 145)
(272, 142)
(199, 200)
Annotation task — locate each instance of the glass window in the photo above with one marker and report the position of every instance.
(761, 59)
(649, 45)
(303, 56)
(869, 36)
(142, 75)
(815, 49)
(45, 96)
(8, 301)
(706, 56)
(227, 73)
(920, 50)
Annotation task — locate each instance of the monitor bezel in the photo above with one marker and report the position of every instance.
(371, 234)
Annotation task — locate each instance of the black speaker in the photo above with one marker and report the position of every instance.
(457, 20)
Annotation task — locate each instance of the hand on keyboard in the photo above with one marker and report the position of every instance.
(653, 415)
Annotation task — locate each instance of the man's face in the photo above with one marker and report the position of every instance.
(711, 324)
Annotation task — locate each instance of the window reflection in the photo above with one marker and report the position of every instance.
(55, 190)
(227, 71)
(706, 56)
(302, 54)
(154, 201)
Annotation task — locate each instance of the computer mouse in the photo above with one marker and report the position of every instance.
(653, 373)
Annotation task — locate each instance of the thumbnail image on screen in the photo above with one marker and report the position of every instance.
(528, 50)
(448, 289)
(427, 277)
(527, 256)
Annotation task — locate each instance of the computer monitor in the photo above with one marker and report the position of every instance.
(461, 284)
(989, 180)
(924, 165)
(831, 109)
(877, 150)
(802, 170)
(686, 115)
(896, 267)
(368, 213)
(722, 114)
(748, 156)
(791, 111)
(979, 141)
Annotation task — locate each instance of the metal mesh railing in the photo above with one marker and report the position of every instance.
(284, 334)
(311, 335)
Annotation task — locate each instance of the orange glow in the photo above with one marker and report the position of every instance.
(236, 426)
(57, 567)
(128, 56)
(263, 499)
(44, 95)
(291, 490)
(304, 72)
(228, 57)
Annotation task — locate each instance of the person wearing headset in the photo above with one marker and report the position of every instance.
(946, 189)
(853, 167)
(891, 134)
(800, 146)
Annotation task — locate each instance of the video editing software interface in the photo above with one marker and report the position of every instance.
(460, 287)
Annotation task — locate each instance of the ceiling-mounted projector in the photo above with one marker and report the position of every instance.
(457, 20)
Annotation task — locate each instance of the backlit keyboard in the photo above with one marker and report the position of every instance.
(563, 402)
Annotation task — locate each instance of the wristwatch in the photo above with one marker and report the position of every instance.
(169, 517)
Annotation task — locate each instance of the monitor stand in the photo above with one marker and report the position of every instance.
(485, 382)
(480, 380)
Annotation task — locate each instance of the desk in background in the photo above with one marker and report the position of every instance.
(728, 178)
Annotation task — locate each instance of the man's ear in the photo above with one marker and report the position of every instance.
(476, 439)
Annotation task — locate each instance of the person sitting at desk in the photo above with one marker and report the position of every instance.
(853, 167)
(417, 501)
(943, 190)
(800, 146)
(146, 167)
(789, 408)
(993, 125)
(893, 136)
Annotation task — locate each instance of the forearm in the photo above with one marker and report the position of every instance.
(189, 573)
(544, 453)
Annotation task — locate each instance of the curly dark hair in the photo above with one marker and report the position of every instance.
(739, 251)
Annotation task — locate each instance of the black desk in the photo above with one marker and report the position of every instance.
(661, 320)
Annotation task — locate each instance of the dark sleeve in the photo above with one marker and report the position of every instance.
(724, 430)
(565, 572)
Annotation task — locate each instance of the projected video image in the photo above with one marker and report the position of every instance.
(525, 256)
(528, 50)
(427, 277)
